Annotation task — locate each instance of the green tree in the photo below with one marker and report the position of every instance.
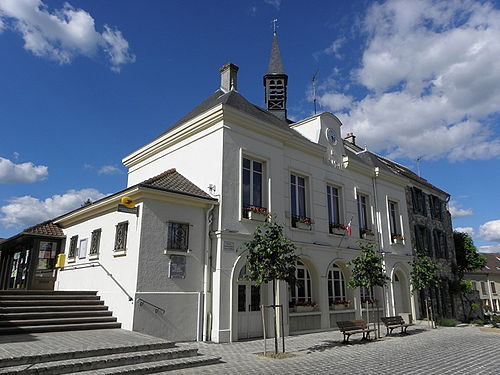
(468, 259)
(424, 275)
(367, 271)
(270, 257)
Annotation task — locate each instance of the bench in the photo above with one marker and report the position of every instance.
(350, 327)
(392, 322)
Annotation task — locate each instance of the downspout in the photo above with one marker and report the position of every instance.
(207, 277)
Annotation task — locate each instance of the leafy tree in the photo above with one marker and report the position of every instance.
(367, 271)
(468, 259)
(270, 257)
(424, 275)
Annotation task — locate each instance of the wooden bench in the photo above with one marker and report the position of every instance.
(392, 322)
(350, 327)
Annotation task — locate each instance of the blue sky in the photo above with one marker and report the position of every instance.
(84, 83)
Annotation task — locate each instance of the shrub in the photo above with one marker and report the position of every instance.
(446, 322)
(477, 322)
(495, 319)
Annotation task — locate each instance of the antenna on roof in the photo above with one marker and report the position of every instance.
(418, 159)
(275, 26)
(313, 79)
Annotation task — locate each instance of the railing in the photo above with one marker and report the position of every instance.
(157, 308)
(96, 264)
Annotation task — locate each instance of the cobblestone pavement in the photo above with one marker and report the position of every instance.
(459, 350)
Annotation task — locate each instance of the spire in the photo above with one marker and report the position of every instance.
(275, 81)
(275, 63)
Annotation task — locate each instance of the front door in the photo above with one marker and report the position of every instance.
(249, 314)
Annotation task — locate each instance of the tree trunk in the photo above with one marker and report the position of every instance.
(274, 319)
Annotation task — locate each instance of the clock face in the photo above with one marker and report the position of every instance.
(331, 136)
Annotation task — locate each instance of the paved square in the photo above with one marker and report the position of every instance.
(459, 350)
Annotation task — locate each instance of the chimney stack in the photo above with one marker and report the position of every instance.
(229, 77)
(351, 138)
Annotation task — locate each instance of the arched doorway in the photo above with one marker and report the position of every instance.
(249, 301)
(401, 293)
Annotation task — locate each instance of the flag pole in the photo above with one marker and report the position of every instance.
(345, 230)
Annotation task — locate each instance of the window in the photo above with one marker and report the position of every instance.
(423, 240)
(394, 222)
(493, 288)
(178, 236)
(252, 185)
(334, 208)
(440, 245)
(121, 236)
(82, 250)
(336, 285)
(301, 291)
(483, 288)
(95, 242)
(363, 217)
(298, 199)
(418, 201)
(436, 207)
(73, 243)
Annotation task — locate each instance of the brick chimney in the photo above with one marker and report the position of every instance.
(229, 77)
(351, 138)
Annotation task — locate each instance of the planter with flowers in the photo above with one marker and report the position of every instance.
(257, 213)
(397, 238)
(368, 234)
(306, 306)
(340, 304)
(338, 229)
(303, 223)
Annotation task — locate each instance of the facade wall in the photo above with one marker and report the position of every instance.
(123, 268)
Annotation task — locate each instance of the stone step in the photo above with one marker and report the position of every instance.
(43, 302)
(158, 366)
(46, 292)
(30, 309)
(57, 328)
(53, 314)
(30, 297)
(144, 358)
(56, 321)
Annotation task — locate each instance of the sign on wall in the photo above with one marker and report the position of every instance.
(177, 267)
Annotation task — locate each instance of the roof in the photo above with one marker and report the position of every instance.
(492, 264)
(173, 181)
(275, 64)
(47, 228)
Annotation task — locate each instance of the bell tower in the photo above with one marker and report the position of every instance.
(275, 81)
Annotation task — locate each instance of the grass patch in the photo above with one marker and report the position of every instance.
(274, 355)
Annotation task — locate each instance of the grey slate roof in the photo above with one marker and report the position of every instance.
(275, 64)
(173, 181)
(492, 264)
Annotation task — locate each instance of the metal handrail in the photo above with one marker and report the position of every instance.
(96, 264)
(157, 308)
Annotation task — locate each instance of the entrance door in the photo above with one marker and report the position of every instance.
(44, 262)
(249, 315)
(400, 294)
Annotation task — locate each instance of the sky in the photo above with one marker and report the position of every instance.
(85, 83)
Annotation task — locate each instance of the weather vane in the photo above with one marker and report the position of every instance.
(275, 26)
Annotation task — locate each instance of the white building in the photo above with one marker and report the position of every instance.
(237, 156)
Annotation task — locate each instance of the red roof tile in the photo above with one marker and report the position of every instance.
(47, 228)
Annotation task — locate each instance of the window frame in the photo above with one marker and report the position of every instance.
(331, 280)
(367, 213)
(308, 287)
(73, 246)
(95, 243)
(394, 216)
(295, 194)
(123, 248)
(183, 225)
(252, 172)
(330, 203)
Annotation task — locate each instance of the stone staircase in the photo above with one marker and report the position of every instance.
(35, 311)
(129, 359)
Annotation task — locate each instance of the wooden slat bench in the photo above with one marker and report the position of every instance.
(392, 322)
(350, 327)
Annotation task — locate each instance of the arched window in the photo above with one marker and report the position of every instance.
(367, 295)
(301, 291)
(336, 285)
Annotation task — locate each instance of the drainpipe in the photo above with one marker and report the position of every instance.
(207, 277)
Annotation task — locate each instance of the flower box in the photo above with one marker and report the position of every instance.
(257, 216)
(338, 231)
(304, 308)
(303, 226)
(368, 236)
(340, 307)
(398, 241)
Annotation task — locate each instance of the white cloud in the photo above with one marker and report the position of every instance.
(63, 34)
(335, 47)
(11, 173)
(490, 231)
(468, 230)
(489, 249)
(433, 80)
(274, 3)
(27, 210)
(109, 169)
(457, 212)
